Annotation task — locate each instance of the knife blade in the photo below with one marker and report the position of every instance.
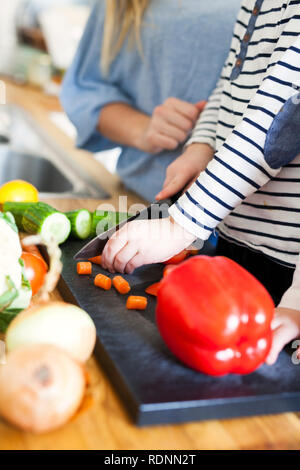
(156, 210)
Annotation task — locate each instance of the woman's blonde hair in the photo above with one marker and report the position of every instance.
(122, 17)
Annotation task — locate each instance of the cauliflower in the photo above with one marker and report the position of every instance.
(15, 291)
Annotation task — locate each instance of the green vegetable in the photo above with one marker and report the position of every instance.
(23, 299)
(81, 223)
(6, 300)
(40, 218)
(6, 318)
(14, 300)
(10, 220)
(105, 220)
(9, 295)
(18, 210)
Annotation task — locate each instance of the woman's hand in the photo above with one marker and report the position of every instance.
(169, 125)
(286, 327)
(185, 169)
(144, 242)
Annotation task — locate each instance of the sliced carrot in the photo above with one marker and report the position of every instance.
(153, 289)
(102, 281)
(121, 285)
(136, 302)
(177, 258)
(84, 267)
(169, 268)
(96, 259)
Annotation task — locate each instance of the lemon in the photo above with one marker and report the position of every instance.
(18, 191)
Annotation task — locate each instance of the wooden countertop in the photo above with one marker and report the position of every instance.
(105, 425)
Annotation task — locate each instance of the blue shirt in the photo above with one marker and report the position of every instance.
(184, 43)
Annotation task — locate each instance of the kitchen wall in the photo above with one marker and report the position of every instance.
(46, 24)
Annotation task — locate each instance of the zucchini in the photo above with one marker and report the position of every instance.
(47, 221)
(105, 220)
(81, 223)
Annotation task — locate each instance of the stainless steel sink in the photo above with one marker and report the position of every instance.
(27, 152)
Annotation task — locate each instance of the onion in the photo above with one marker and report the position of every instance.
(41, 388)
(57, 323)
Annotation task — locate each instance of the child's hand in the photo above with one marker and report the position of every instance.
(170, 125)
(144, 242)
(185, 169)
(286, 326)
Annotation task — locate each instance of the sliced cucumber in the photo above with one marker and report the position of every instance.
(105, 220)
(81, 223)
(49, 223)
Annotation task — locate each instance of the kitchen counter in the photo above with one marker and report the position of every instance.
(103, 423)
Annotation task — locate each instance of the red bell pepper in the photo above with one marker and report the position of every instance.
(215, 316)
(153, 289)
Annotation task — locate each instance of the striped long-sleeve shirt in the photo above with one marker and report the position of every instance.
(251, 188)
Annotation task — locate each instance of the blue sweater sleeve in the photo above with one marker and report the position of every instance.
(85, 91)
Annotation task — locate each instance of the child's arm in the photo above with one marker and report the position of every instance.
(237, 170)
(286, 324)
(240, 167)
(199, 150)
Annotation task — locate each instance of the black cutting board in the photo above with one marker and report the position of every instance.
(153, 385)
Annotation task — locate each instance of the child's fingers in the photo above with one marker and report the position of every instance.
(281, 337)
(112, 247)
(135, 262)
(175, 184)
(124, 256)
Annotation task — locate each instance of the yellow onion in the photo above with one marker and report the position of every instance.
(57, 323)
(41, 387)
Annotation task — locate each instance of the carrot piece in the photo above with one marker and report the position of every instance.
(102, 281)
(121, 285)
(136, 302)
(177, 258)
(96, 259)
(153, 289)
(84, 267)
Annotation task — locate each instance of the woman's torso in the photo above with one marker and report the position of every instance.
(185, 43)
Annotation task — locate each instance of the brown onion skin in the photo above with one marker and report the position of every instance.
(41, 388)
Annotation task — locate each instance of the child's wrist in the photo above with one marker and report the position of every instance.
(199, 147)
(188, 236)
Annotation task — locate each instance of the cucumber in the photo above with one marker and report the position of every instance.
(18, 210)
(105, 220)
(81, 223)
(39, 217)
(47, 221)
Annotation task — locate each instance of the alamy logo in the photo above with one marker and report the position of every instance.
(296, 355)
